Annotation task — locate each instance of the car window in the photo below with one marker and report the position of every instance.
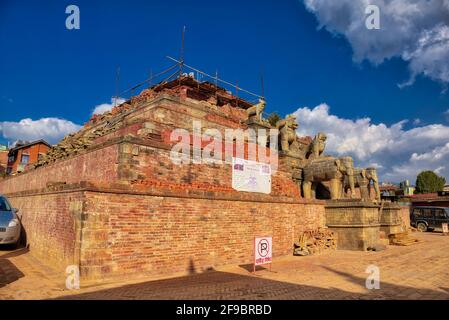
(417, 212)
(4, 205)
(445, 213)
(440, 214)
(427, 213)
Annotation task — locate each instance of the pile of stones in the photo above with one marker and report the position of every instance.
(76, 143)
(315, 242)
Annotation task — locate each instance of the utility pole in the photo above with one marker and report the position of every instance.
(181, 59)
(117, 80)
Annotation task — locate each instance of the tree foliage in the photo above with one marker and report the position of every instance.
(273, 118)
(429, 182)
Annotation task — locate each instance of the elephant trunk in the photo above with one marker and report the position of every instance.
(351, 183)
(376, 189)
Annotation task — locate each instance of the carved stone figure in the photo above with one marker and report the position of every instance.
(362, 180)
(371, 175)
(287, 130)
(331, 170)
(317, 146)
(256, 111)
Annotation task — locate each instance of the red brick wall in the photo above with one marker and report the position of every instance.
(3, 162)
(153, 167)
(4, 158)
(135, 211)
(98, 165)
(114, 234)
(128, 234)
(49, 224)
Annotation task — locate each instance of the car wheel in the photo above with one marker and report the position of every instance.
(422, 227)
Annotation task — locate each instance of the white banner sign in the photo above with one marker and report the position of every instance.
(263, 250)
(251, 176)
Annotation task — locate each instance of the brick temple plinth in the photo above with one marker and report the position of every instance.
(355, 222)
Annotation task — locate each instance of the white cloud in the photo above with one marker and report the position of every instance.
(397, 153)
(104, 107)
(415, 30)
(50, 129)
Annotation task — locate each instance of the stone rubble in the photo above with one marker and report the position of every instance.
(315, 242)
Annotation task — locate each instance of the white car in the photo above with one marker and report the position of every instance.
(10, 226)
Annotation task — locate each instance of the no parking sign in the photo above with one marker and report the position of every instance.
(263, 250)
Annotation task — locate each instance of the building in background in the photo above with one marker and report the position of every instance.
(389, 191)
(429, 199)
(3, 159)
(25, 154)
(407, 189)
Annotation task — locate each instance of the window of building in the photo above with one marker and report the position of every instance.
(25, 158)
(11, 159)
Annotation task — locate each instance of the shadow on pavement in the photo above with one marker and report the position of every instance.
(223, 285)
(8, 271)
(250, 267)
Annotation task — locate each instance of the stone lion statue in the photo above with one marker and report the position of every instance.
(287, 130)
(256, 110)
(317, 146)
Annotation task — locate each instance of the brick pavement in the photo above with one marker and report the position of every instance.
(415, 272)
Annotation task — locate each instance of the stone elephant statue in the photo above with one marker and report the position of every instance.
(371, 175)
(328, 169)
(362, 180)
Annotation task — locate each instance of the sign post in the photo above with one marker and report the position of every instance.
(263, 251)
(445, 229)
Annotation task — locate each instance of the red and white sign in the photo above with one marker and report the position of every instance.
(263, 250)
(445, 228)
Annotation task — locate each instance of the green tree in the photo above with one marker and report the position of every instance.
(428, 182)
(273, 118)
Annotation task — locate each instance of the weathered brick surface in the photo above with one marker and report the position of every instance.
(123, 207)
(153, 167)
(49, 222)
(96, 165)
(159, 235)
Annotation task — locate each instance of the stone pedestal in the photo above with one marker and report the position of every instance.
(355, 222)
(293, 163)
(390, 219)
(256, 124)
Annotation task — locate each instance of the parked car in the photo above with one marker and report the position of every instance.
(429, 218)
(10, 226)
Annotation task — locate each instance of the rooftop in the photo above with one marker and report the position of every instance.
(29, 144)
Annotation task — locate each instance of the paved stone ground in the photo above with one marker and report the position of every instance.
(415, 272)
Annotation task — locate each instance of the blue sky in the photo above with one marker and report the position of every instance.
(47, 71)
